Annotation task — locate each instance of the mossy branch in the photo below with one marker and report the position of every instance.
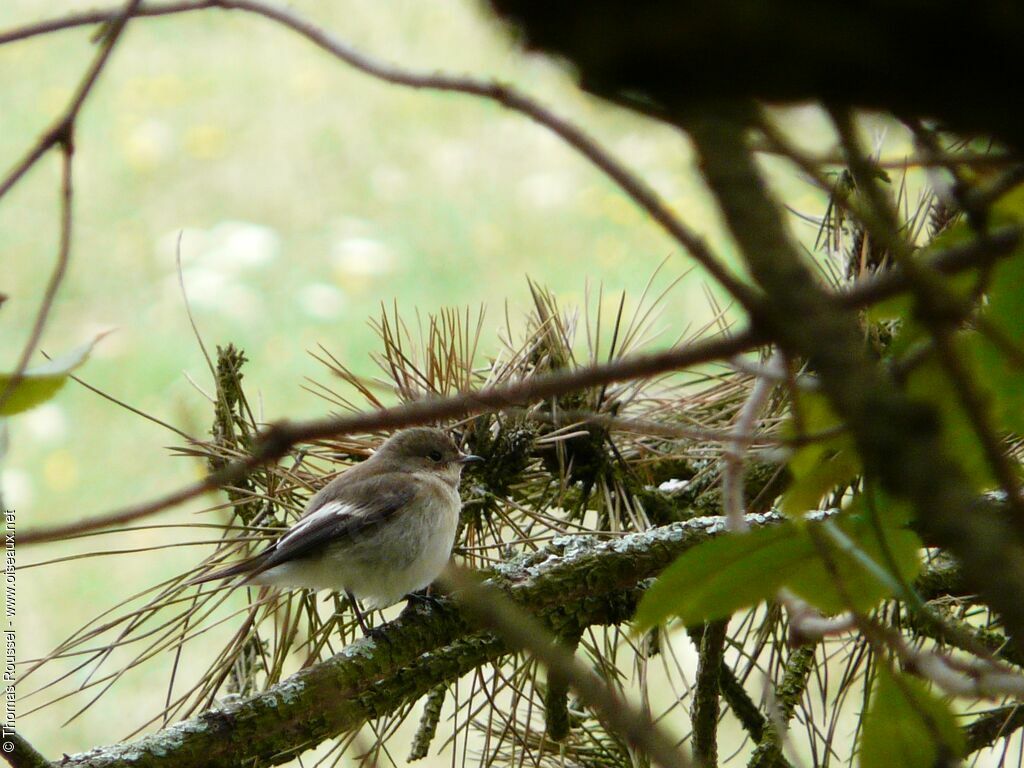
(578, 581)
(704, 714)
(787, 697)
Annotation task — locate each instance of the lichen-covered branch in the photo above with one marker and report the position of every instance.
(427, 727)
(768, 753)
(704, 714)
(577, 581)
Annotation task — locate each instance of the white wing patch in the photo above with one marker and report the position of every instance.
(336, 509)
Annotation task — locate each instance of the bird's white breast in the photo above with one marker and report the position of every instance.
(382, 564)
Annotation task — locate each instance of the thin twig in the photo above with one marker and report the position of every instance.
(61, 130)
(522, 631)
(508, 97)
(61, 134)
(56, 276)
(278, 439)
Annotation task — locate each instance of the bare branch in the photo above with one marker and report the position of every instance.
(61, 131)
(279, 438)
(521, 631)
(56, 276)
(61, 134)
(634, 187)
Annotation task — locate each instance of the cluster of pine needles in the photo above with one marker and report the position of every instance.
(587, 462)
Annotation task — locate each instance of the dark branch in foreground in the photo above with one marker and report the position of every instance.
(280, 437)
(674, 55)
(61, 134)
(897, 436)
(23, 754)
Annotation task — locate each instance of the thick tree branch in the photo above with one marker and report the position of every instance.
(705, 711)
(579, 580)
(899, 439)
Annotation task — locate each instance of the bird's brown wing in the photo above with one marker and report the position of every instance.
(353, 509)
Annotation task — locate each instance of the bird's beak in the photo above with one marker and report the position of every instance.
(468, 458)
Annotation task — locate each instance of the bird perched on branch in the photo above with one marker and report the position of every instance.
(379, 532)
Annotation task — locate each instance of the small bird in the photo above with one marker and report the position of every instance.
(379, 532)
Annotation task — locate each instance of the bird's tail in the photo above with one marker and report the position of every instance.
(245, 567)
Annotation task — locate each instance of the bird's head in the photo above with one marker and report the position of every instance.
(425, 449)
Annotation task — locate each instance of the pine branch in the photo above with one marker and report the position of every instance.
(578, 581)
(705, 712)
(276, 441)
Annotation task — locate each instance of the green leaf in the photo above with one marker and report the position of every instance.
(718, 577)
(818, 467)
(858, 573)
(1004, 375)
(929, 383)
(735, 571)
(38, 385)
(808, 487)
(907, 725)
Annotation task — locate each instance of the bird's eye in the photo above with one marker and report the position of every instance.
(434, 456)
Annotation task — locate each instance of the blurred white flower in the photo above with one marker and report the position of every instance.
(213, 261)
(46, 423)
(214, 290)
(362, 256)
(389, 183)
(321, 300)
(450, 161)
(237, 245)
(230, 246)
(17, 488)
(544, 190)
(149, 144)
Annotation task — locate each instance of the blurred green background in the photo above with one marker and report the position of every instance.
(306, 194)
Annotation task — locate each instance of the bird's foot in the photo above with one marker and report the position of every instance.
(422, 598)
(377, 634)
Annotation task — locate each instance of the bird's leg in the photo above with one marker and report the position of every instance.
(367, 631)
